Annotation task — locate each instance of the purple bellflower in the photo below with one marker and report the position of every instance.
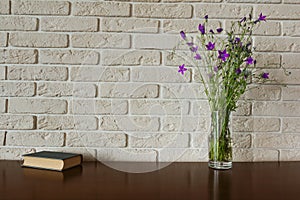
(219, 30)
(223, 55)
(201, 29)
(249, 60)
(182, 34)
(194, 48)
(265, 75)
(182, 69)
(262, 17)
(197, 56)
(206, 17)
(210, 46)
(238, 71)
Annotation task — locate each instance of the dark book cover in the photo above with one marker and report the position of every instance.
(53, 155)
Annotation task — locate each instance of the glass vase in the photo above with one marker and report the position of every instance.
(220, 141)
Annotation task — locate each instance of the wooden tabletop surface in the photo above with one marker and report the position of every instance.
(182, 181)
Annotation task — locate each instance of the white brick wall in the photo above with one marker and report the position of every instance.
(94, 77)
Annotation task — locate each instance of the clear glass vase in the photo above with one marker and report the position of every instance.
(220, 141)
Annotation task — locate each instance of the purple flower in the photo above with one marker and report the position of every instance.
(249, 60)
(237, 40)
(262, 17)
(201, 29)
(238, 71)
(206, 17)
(223, 55)
(219, 30)
(243, 19)
(216, 69)
(210, 46)
(190, 43)
(265, 75)
(182, 34)
(197, 56)
(211, 31)
(194, 48)
(182, 69)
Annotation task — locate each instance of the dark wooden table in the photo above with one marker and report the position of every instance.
(182, 181)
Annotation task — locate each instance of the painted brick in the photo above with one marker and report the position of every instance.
(291, 61)
(67, 122)
(62, 24)
(17, 23)
(264, 93)
(85, 90)
(243, 109)
(3, 39)
(185, 124)
(83, 57)
(283, 109)
(16, 56)
(289, 155)
(291, 93)
(2, 73)
(95, 139)
(202, 108)
(291, 29)
(128, 90)
(269, 28)
(3, 105)
(118, 107)
(187, 25)
(276, 141)
(17, 89)
(95, 74)
(112, 9)
(35, 139)
(291, 1)
(17, 122)
(246, 124)
(39, 106)
(125, 155)
(163, 140)
(268, 60)
(160, 75)
(133, 57)
(36, 73)
(129, 25)
(40, 7)
(155, 41)
(290, 76)
(30, 39)
(4, 7)
(129, 123)
(161, 107)
(277, 44)
(254, 1)
(14, 153)
(279, 11)
(223, 10)
(2, 137)
(186, 91)
(89, 40)
(183, 155)
(290, 125)
(162, 10)
(255, 155)
(199, 140)
(241, 140)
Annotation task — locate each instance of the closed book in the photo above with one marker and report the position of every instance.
(52, 160)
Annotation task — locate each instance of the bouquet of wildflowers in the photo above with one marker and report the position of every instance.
(226, 66)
